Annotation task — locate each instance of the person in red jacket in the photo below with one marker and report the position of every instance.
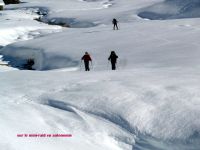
(86, 58)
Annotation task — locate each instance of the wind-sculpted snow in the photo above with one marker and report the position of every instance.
(42, 61)
(172, 9)
(153, 110)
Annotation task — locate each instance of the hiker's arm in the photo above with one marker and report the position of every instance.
(109, 57)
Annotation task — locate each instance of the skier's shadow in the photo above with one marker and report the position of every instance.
(92, 31)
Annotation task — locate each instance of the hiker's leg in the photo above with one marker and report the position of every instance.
(117, 27)
(87, 66)
(113, 66)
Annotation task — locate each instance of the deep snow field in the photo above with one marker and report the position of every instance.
(152, 100)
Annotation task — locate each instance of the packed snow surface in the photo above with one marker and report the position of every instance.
(152, 100)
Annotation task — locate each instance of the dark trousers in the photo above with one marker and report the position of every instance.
(87, 68)
(113, 64)
(115, 26)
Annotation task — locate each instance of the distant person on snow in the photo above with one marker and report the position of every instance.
(86, 58)
(114, 21)
(113, 59)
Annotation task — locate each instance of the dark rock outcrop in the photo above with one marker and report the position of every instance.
(11, 2)
(1, 8)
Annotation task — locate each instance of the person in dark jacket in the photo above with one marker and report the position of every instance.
(114, 21)
(113, 59)
(86, 58)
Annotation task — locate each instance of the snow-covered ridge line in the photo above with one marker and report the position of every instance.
(43, 16)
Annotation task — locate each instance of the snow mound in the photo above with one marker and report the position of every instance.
(172, 9)
(42, 61)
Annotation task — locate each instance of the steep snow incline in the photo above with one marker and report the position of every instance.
(172, 9)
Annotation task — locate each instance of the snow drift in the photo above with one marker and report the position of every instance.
(172, 9)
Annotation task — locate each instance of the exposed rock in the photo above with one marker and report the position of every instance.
(11, 2)
(1, 7)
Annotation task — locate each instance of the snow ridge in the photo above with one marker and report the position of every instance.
(172, 9)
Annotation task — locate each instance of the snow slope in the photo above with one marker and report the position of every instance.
(172, 9)
(150, 103)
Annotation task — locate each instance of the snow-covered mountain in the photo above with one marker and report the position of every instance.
(151, 102)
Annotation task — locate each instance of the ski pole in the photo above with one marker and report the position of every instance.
(81, 64)
(108, 64)
(91, 65)
(117, 66)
